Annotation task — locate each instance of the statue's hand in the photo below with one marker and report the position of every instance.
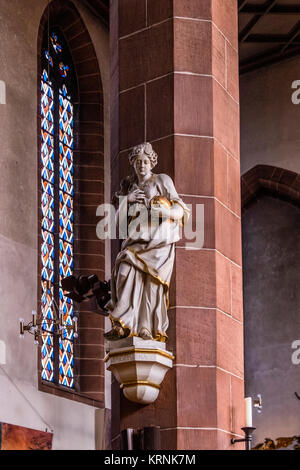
(136, 196)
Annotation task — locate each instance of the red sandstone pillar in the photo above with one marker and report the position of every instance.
(177, 87)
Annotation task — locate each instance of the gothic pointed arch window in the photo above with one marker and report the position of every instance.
(70, 153)
(58, 97)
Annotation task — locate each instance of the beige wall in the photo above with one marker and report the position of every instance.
(269, 120)
(20, 401)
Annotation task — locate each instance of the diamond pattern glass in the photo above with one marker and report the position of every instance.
(57, 219)
(47, 224)
(47, 307)
(47, 357)
(66, 221)
(47, 206)
(66, 360)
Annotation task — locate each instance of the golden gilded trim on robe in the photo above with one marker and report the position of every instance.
(159, 336)
(139, 382)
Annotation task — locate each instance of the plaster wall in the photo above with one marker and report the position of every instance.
(271, 240)
(271, 252)
(269, 119)
(21, 403)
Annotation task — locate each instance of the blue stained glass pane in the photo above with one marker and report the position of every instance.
(47, 206)
(49, 58)
(56, 45)
(47, 125)
(63, 91)
(66, 217)
(47, 307)
(45, 76)
(47, 103)
(63, 70)
(66, 376)
(47, 255)
(66, 170)
(66, 255)
(47, 357)
(65, 121)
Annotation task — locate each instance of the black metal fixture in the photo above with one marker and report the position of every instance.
(248, 437)
(147, 438)
(88, 288)
(79, 289)
(38, 328)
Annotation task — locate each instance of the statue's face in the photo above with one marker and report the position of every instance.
(142, 165)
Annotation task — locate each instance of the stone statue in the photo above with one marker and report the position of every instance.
(143, 268)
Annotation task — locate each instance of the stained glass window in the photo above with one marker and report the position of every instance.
(57, 209)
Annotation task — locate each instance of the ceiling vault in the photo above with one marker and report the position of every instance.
(269, 32)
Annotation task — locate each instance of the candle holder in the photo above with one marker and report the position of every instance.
(58, 326)
(248, 437)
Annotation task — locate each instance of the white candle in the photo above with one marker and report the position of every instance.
(248, 412)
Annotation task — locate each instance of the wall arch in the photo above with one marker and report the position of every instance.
(271, 180)
(271, 250)
(89, 193)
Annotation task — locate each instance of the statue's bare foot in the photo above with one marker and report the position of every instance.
(145, 334)
(117, 332)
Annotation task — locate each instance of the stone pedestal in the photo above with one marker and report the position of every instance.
(139, 366)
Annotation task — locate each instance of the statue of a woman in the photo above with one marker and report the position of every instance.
(143, 268)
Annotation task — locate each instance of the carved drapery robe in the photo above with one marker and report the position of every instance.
(143, 268)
